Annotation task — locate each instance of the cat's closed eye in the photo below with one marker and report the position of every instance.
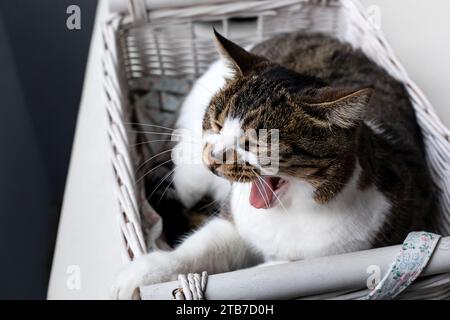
(217, 126)
(249, 144)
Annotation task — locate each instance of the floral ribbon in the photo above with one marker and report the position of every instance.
(414, 255)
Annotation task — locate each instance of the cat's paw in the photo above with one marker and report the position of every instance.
(153, 268)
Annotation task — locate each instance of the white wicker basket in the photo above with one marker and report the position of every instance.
(166, 41)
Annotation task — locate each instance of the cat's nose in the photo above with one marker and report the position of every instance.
(211, 159)
(217, 157)
(212, 163)
(223, 156)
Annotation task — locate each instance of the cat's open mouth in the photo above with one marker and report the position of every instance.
(266, 191)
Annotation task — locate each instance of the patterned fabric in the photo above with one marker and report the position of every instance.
(409, 263)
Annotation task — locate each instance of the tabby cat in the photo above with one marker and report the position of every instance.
(351, 172)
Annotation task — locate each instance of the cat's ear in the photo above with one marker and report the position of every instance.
(342, 108)
(240, 60)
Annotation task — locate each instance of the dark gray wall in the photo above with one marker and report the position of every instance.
(41, 74)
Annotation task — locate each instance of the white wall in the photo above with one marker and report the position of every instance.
(419, 32)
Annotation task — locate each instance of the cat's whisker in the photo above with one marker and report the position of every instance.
(167, 188)
(151, 141)
(150, 125)
(161, 182)
(265, 192)
(240, 193)
(153, 169)
(208, 204)
(159, 140)
(151, 158)
(264, 198)
(156, 133)
(177, 135)
(204, 87)
(278, 199)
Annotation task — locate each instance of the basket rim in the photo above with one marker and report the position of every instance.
(120, 23)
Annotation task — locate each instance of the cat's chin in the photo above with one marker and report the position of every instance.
(266, 191)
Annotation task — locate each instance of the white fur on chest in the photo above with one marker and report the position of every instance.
(304, 228)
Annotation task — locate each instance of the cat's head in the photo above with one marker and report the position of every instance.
(312, 124)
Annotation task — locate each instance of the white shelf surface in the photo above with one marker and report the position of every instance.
(88, 234)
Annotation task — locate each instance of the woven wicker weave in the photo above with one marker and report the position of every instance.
(167, 44)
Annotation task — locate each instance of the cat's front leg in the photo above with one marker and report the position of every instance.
(155, 267)
(216, 247)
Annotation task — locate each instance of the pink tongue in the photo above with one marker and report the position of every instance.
(261, 194)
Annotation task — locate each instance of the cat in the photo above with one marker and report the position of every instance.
(352, 173)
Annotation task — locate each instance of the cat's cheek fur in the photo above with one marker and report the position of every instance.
(192, 179)
(305, 229)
